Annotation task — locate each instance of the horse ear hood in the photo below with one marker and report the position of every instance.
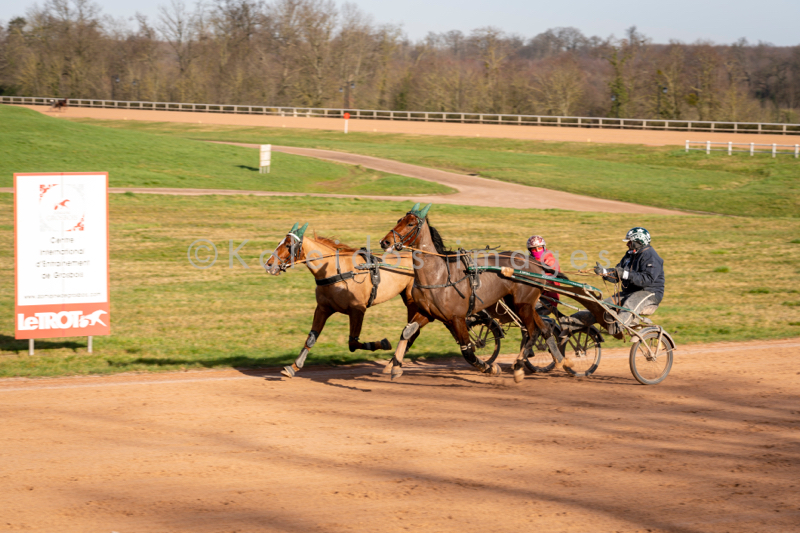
(424, 212)
(294, 228)
(302, 231)
(415, 209)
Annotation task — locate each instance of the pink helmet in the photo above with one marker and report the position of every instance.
(536, 240)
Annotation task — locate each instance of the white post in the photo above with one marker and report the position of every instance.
(708, 147)
(730, 147)
(796, 151)
(265, 159)
(774, 149)
(687, 146)
(752, 148)
(30, 346)
(89, 344)
(345, 125)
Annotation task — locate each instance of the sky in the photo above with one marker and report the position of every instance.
(719, 21)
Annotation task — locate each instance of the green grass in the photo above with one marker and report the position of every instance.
(167, 315)
(658, 176)
(33, 142)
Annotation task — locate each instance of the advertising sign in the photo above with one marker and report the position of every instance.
(61, 255)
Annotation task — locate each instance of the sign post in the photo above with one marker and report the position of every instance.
(266, 158)
(346, 120)
(61, 256)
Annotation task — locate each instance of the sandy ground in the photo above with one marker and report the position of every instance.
(714, 448)
(540, 133)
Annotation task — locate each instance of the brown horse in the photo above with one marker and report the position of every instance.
(444, 290)
(348, 282)
(59, 105)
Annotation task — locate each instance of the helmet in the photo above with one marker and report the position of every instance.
(536, 240)
(640, 235)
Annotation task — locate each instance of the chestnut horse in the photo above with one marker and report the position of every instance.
(444, 290)
(348, 282)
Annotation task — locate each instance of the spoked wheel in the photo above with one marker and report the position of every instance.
(541, 360)
(485, 334)
(651, 367)
(582, 352)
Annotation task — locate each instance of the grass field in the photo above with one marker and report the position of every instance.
(32, 142)
(658, 176)
(729, 278)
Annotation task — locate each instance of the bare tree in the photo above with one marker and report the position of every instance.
(560, 89)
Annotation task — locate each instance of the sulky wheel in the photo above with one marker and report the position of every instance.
(651, 367)
(485, 334)
(582, 352)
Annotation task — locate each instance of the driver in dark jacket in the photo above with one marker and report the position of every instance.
(640, 274)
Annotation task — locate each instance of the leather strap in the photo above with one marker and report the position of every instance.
(335, 279)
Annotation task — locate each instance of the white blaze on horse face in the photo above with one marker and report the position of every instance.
(274, 260)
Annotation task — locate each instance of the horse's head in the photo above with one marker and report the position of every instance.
(289, 251)
(407, 230)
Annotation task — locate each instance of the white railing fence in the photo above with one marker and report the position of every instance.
(428, 116)
(731, 147)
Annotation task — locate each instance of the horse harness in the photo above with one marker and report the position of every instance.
(372, 265)
(472, 274)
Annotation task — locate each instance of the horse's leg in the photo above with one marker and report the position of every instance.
(458, 327)
(395, 366)
(321, 315)
(547, 331)
(533, 321)
(356, 323)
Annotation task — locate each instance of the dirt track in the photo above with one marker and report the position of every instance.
(472, 190)
(714, 448)
(540, 133)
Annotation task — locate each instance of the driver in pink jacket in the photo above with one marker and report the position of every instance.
(538, 250)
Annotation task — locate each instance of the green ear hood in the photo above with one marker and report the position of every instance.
(424, 212)
(302, 231)
(420, 213)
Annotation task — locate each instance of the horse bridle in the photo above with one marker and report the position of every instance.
(400, 240)
(294, 250)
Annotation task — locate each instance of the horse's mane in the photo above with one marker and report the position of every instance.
(438, 243)
(331, 241)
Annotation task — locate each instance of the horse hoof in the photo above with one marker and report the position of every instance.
(519, 375)
(386, 345)
(493, 369)
(288, 371)
(388, 368)
(396, 372)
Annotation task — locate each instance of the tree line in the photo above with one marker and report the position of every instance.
(315, 53)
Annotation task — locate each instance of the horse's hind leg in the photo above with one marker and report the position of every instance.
(356, 323)
(321, 315)
(461, 333)
(550, 338)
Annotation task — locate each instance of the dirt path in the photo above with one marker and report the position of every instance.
(714, 448)
(472, 190)
(537, 133)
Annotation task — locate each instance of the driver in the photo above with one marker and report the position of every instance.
(538, 250)
(640, 274)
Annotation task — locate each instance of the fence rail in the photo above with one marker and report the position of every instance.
(731, 147)
(429, 116)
